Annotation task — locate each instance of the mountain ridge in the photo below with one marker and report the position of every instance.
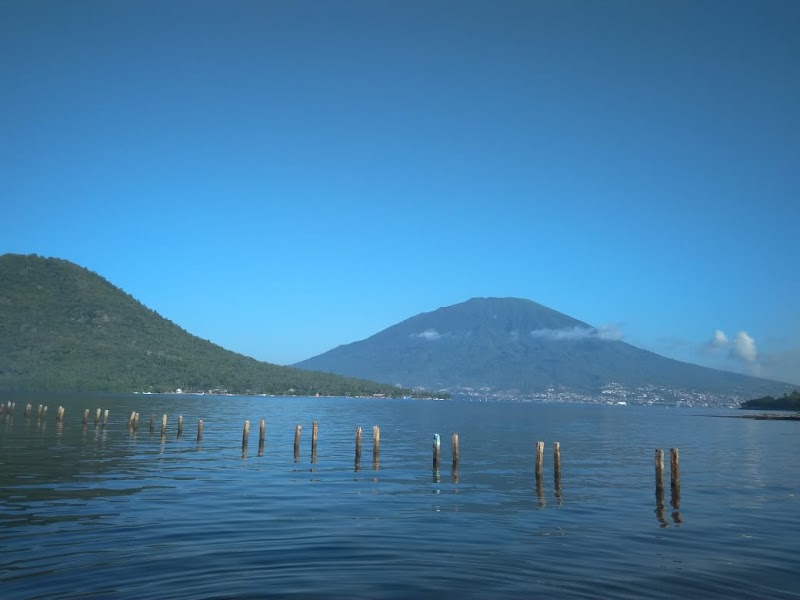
(518, 346)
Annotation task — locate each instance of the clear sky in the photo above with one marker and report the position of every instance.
(282, 177)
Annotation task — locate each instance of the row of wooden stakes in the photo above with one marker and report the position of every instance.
(41, 413)
(133, 424)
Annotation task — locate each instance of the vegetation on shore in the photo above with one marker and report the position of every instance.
(64, 328)
(785, 402)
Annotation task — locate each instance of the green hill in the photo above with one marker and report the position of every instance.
(64, 328)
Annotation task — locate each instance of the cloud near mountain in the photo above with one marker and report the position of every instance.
(608, 332)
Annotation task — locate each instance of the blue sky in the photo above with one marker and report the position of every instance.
(284, 177)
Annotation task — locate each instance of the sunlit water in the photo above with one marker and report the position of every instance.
(100, 511)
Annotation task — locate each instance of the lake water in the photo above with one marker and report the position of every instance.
(94, 511)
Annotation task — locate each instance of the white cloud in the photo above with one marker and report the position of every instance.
(744, 347)
(611, 332)
(429, 334)
(607, 332)
(719, 340)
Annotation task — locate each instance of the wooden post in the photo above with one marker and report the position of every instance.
(97, 416)
(557, 463)
(437, 448)
(60, 415)
(27, 412)
(39, 412)
(130, 420)
(200, 431)
(105, 418)
(376, 447)
(245, 434)
(297, 431)
(136, 421)
(44, 412)
(659, 471)
(675, 483)
(314, 434)
(674, 468)
(164, 425)
(539, 460)
(455, 452)
(85, 416)
(660, 487)
(358, 449)
(152, 423)
(180, 425)
(262, 435)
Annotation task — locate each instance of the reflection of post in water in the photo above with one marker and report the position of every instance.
(376, 447)
(357, 464)
(297, 431)
(557, 470)
(675, 484)
(660, 487)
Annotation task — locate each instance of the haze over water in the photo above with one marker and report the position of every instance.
(105, 512)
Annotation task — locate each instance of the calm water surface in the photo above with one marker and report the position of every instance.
(105, 512)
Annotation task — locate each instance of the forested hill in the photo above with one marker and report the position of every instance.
(64, 328)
